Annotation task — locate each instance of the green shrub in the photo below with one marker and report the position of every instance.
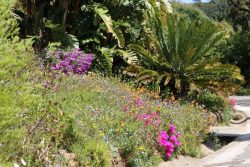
(15, 93)
(244, 92)
(210, 101)
(92, 152)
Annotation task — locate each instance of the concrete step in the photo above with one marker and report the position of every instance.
(243, 109)
(233, 130)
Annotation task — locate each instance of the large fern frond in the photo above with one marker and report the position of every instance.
(106, 18)
(106, 60)
(144, 55)
(129, 56)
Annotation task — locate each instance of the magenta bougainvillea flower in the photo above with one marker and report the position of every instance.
(74, 61)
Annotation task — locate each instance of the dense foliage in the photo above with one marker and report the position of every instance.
(15, 93)
(236, 51)
(181, 56)
(236, 12)
(94, 26)
(59, 108)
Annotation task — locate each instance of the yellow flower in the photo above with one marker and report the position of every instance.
(140, 148)
(101, 133)
(94, 125)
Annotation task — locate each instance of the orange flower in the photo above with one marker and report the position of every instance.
(156, 96)
(172, 98)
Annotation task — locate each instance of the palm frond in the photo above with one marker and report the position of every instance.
(116, 32)
(144, 55)
(133, 70)
(106, 60)
(128, 56)
(150, 78)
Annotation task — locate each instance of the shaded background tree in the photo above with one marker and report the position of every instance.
(96, 26)
(235, 49)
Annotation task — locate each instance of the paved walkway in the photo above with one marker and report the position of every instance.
(243, 101)
(237, 153)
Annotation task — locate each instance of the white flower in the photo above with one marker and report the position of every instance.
(23, 162)
(16, 165)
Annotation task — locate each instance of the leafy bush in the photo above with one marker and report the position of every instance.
(237, 44)
(106, 109)
(244, 91)
(81, 108)
(210, 101)
(92, 152)
(15, 93)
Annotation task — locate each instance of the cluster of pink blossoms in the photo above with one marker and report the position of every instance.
(169, 140)
(152, 119)
(74, 61)
(233, 102)
(139, 102)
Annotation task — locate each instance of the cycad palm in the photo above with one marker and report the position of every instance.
(179, 55)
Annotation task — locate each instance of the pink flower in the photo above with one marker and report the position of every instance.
(168, 154)
(163, 135)
(137, 117)
(175, 141)
(125, 108)
(178, 134)
(154, 113)
(172, 129)
(139, 102)
(169, 149)
(233, 102)
(173, 138)
(169, 140)
(162, 138)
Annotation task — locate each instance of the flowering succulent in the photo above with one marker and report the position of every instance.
(152, 121)
(172, 129)
(74, 61)
(169, 140)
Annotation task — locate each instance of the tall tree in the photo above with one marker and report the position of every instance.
(239, 14)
